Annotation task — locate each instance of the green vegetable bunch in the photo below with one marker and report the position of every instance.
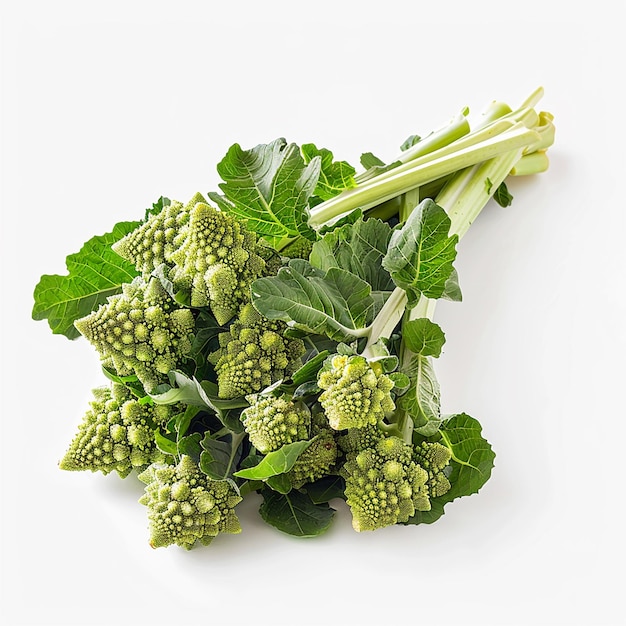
(277, 336)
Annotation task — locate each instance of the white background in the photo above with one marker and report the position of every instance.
(106, 106)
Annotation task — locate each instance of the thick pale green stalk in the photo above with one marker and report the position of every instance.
(374, 192)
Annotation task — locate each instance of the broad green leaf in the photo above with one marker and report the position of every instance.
(472, 462)
(337, 303)
(295, 514)
(164, 443)
(326, 489)
(421, 253)
(190, 446)
(374, 166)
(280, 483)
(422, 400)
(184, 390)
(335, 176)
(409, 142)
(219, 457)
(308, 372)
(424, 337)
(358, 248)
(269, 187)
(277, 462)
(452, 290)
(94, 274)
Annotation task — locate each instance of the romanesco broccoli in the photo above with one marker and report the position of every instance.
(356, 393)
(116, 433)
(319, 458)
(152, 243)
(273, 421)
(216, 261)
(254, 354)
(384, 485)
(140, 331)
(185, 505)
(434, 458)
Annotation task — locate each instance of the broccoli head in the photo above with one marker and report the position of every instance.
(356, 393)
(153, 242)
(318, 459)
(185, 505)
(273, 421)
(116, 434)
(254, 354)
(434, 458)
(216, 261)
(140, 331)
(384, 485)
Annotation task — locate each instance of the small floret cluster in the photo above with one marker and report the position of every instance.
(355, 393)
(151, 244)
(216, 261)
(140, 331)
(185, 506)
(254, 354)
(434, 458)
(319, 458)
(273, 421)
(384, 485)
(116, 434)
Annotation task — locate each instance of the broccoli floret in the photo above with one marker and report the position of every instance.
(152, 243)
(356, 393)
(317, 460)
(357, 439)
(271, 421)
(116, 434)
(434, 458)
(140, 331)
(254, 354)
(185, 505)
(384, 485)
(300, 248)
(216, 261)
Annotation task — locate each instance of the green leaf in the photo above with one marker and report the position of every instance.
(424, 337)
(471, 464)
(409, 142)
(503, 196)
(452, 290)
(219, 457)
(358, 248)
(295, 514)
(422, 400)
(308, 372)
(182, 389)
(165, 444)
(421, 253)
(190, 446)
(94, 274)
(336, 303)
(280, 483)
(269, 187)
(277, 462)
(157, 207)
(326, 489)
(335, 176)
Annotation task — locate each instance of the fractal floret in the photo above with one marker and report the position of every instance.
(140, 331)
(185, 505)
(116, 434)
(254, 354)
(434, 458)
(356, 393)
(216, 261)
(273, 421)
(319, 458)
(384, 485)
(152, 243)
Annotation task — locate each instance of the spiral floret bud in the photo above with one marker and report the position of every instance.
(434, 458)
(384, 485)
(271, 421)
(356, 393)
(152, 243)
(185, 505)
(254, 354)
(116, 434)
(140, 331)
(317, 460)
(216, 261)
